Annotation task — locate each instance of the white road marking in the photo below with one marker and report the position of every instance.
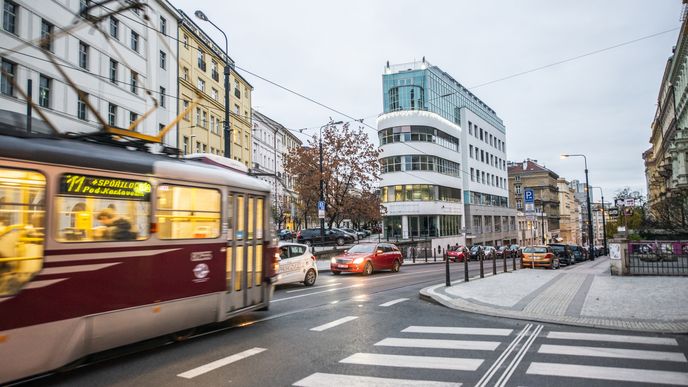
(430, 362)
(498, 363)
(612, 338)
(310, 294)
(609, 373)
(314, 287)
(619, 353)
(328, 380)
(334, 323)
(390, 303)
(459, 330)
(220, 363)
(440, 344)
(506, 375)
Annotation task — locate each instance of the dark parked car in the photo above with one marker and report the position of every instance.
(516, 251)
(311, 236)
(564, 253)
(286, 234)
(503, 252)
(579, 253)
(488, 252)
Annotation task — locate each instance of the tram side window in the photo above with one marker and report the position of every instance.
(188, 212)
(22, 227)
(99, 209)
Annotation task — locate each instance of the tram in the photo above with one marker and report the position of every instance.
(102, 246)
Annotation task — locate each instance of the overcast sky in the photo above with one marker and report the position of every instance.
(601, 105)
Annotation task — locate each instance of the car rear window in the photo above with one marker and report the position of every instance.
(557, 247)
(535, 250)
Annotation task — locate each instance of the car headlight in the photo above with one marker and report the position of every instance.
(358, 260)
(333, 260)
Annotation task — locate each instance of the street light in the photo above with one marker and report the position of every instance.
(322, 189)
(227, 130)
(604, 224)
(587, 198)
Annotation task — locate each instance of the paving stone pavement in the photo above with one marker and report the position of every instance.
(583, 295)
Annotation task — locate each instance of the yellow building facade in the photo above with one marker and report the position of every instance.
(201, 80)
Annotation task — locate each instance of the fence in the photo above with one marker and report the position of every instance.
(668, 258)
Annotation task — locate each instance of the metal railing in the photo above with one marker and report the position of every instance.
(662, 258)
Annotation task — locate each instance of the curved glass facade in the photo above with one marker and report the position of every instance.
(419, 192)
(420, 163)
(418, 133)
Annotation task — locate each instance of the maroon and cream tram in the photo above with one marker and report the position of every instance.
(102, 246)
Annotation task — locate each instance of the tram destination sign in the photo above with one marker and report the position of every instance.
(109, 187)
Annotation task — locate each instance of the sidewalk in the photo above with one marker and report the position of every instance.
(584, 295)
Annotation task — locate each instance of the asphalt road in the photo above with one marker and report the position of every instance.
(353, 330)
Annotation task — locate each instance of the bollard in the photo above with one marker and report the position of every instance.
(413, 255)
(465, 268)
(504, 256)
(446, 270)
(494, 264)
(482, 272)
(513, 257)
(426, 254)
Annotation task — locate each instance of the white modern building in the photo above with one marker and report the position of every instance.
(443, 159)
(271, 143)
(124, 66)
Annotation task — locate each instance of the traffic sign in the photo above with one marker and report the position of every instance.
(613, 212)
(528, 195)
(530, 207)
(619, 202)
(629, 202)
(321, 209)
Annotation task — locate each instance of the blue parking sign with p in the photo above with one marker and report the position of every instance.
(529, 195)
(321, 206)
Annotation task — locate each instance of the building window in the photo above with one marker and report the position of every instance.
(81, 108)
(472, 174)
(134, 41)
(134, 82)
(113, 71)
(7, 78)
(133, 117)
(519, 204)
(237, 93)
(214, 73)
(198, 116)
(185, 73)
(162, 96)
(44, 91)
(114, 27)
(185, 39)
(163, 60)
(204, 123)
(83, 4)
(185, 145)
(185, 105)
(201, 85)
(201, 60)
(236, 109)
(518, 179)
(112, 114)
(9, 17)
(83, 55)
(46, 35)
(213, 93)
(163, 25)
(517, 189)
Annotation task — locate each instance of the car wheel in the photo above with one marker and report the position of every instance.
(335, 272)
(340, 241)
(396, 266)
(309, 280)
(368, 268)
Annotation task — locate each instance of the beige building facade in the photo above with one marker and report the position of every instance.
(569, 212)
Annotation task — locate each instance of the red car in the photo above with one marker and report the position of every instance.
(457, 253)
(367, 257)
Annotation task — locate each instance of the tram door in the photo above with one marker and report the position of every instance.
(245, 250)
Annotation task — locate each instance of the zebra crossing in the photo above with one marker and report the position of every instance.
(500, 357)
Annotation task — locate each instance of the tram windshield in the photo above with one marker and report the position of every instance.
(22, 222)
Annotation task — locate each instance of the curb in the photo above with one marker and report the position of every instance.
(677, 327)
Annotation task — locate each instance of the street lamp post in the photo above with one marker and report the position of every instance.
(227, 130)
(604, 224)
(587, 198)
(322, 189)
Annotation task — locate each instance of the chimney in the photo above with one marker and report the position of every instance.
(525, 165)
